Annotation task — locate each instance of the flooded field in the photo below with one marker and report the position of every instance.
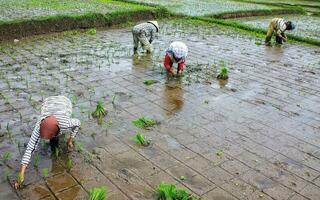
(253, 136)
(29, 9)
(306, 26)
(205, 7)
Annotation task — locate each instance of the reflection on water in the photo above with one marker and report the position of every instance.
(274, 53)
(173, 96)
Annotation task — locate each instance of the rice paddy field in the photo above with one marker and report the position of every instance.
(11, 10)
(306, 26)
(205, 7)
(241, 123)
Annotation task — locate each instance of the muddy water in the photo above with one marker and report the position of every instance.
(197, 112)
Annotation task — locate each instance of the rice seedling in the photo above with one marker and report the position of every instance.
(140, 139)
(144, 122)
(223, 74)
(45, 172)
(79, 147)
(56, 152)
(9, 131)
(98, 193)
(74, 99)
(36, 160)
(6, 156)
(89, 157)
(91, 31)
(113, 101)
(8, 172)
(219, 153)
(100, 111)
(69, 165)
(167, 191)
(19, 178)
(150, 82)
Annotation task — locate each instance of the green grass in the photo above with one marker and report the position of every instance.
(144, 122)
(166, 191)
(150, 82)
(98, 193)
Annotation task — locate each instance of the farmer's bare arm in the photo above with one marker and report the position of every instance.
(20, 177)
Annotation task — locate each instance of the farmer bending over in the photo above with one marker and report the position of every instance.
(55, 118)
(278, 26)
(176, 53)
(144, 33)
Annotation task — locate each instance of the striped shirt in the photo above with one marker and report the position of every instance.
(61, 108)
(280, 25)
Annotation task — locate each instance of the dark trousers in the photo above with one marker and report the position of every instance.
(279, 39)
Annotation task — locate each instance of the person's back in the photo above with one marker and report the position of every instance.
(144, 33)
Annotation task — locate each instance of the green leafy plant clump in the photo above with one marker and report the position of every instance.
(98, 193)
(140, 139)
(100, 111)
(167, 191)
(45, 172)
(91, 31)
(150, 82)
(6, 156)
(144, 122)
(223, 74)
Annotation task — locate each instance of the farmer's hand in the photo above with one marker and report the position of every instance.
(284, 39)
(20, 177)
(70, 144)
(179, 73)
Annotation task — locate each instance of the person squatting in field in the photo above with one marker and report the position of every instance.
(176, 53)
(278, 26)
(144, 34)
(55, 118)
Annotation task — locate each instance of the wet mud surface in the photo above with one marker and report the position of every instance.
(254, 136)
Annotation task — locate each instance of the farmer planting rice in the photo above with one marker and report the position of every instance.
(55, 118)
(278, 26)
(176, 53)
(144, 34)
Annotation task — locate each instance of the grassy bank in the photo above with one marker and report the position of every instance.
(23, 28)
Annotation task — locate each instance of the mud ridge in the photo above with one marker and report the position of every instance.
(25, 28)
